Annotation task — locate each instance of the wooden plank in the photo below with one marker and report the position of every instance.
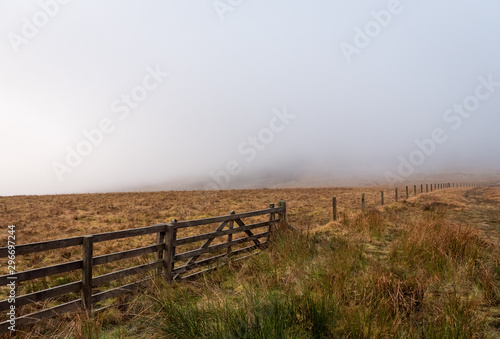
(215, 234)
(42, 295)
(107, 258)
(213, 248)
(105, 278)
(134, 232)
(43, 246)
(247, 232)
(42, 272)
(282, 207)
(205, 221)
(118, 291)
(230, 226)
(271, 222)
(209, 241)
(170, 252)
(44, 314)
(190, 276)
(160, 239)
(99, 237)
(88, 255)
(183, 269)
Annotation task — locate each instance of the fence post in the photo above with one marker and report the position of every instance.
(87, 262)
(230, 225)
(363, 202)
(382, 197)
(396, 194)
(414, 189)
(426, 188)
(282, 203)
(334, 204)
(160, 239)
(406, 192)
(271, 222)
(170, 251)
(421, 188)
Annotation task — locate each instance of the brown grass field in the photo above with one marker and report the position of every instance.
(401, 270)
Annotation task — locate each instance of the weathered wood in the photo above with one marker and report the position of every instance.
(271, 222)
(215, 234)
(426, 188)
(42, 295)
(179, 271)
(230, 225)
(213, 248)
(190, 276)
(396, 189)
(363, 202)
(183, 269)
(105, 278)
(88, 254)
(407, 192)
(118, 291)
(421, 188)
(160, 239)
(414, 189)
(170, 250)
(205, 221)
(247, 232)
(334, 203)
(209, 241)
(75, 265)
(42, 272)
(382, 198)
(43, 246)
(282, 206)
(107, 258)
(99, 237)
(164, 250)
(44, 314)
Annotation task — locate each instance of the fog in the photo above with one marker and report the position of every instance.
(100, 96)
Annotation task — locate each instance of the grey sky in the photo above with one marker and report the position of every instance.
(226, 80)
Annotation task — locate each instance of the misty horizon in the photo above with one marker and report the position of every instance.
(104, 97)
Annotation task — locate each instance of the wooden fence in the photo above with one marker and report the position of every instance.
(172, 265)
(398, 195)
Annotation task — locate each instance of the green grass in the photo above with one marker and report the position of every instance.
(432, 278)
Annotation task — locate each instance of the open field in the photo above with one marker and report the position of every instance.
(423, 267)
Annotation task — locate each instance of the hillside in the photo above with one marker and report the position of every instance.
(427, 266)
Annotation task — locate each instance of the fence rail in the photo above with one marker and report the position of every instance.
(164, 249)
